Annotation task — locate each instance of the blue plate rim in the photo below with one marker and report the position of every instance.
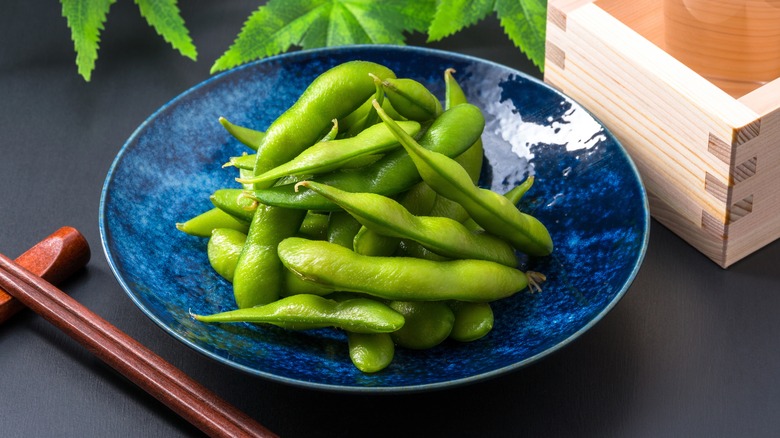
(367, 389)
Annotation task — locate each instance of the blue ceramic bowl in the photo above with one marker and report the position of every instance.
(587, 191)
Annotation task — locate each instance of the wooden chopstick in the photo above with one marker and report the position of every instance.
(54, 259)
(194, 402)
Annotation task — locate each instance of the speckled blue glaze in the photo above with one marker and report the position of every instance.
(587, 192)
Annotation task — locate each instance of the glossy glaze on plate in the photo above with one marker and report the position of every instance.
(587, 192)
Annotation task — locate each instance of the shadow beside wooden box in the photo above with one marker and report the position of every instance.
(710, 161)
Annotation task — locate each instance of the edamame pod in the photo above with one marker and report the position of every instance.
(223, 249)
(514, 196)
(314, 225)
(399, 278)
(369, 242)
(472, 321)
(249, 137)
(342, 228)
(490, 210)
(235, 203)
(306, 312)
(516, 193)
(446, 207)
(203, 224)
(472, 159)
(370, 352)
(356, 120)
(418, 200)
(258, 275)
(294, 285)
(441, 235)
(411, 99)
(327, 156)
(332, 95)
(371, 118)
(451, 134)
(410, 248)
(245, 161)
(333, 133)
(428, 323)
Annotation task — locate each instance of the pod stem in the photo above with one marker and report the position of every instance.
(377, 79)
(535, 279)
(299, 184)
(247, 195)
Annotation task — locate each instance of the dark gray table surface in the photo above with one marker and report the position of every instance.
(691, 350)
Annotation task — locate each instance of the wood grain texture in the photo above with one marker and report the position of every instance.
(706, 158)
(54, 259)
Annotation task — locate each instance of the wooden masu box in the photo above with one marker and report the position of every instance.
(710, 162)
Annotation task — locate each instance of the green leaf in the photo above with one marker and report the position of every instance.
(281, 24)
(388, 21)
(273, 29)
(525, 21)
(85, 19)
(454, 15)
(164, 17)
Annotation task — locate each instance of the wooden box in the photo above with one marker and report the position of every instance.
(710, 162)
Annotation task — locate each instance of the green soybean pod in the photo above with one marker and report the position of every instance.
(400, 278)
(370, 352)
(514, 196)
(453, 93)
(428, 323)
(369, 242)
(410, 248)
(472, 159)
(490, 210)
(306, 312)
(204, 223)
(223, 250)
(418, 200)
(258, 276)
(441, 235)
(249, 137)
(451, 133)
(446, 207)
(370, 118)
(333, 133)
(472, 321)
(332, 95)
(244, 161)
(342, 228)
(294, 285)
(246, 173)
(236, 203)
(516, 193)
(327, 156)
(314, 225)
(356, 120)
(411, 99)
(247, 161)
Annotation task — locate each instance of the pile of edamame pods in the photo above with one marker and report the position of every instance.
(358, 208)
